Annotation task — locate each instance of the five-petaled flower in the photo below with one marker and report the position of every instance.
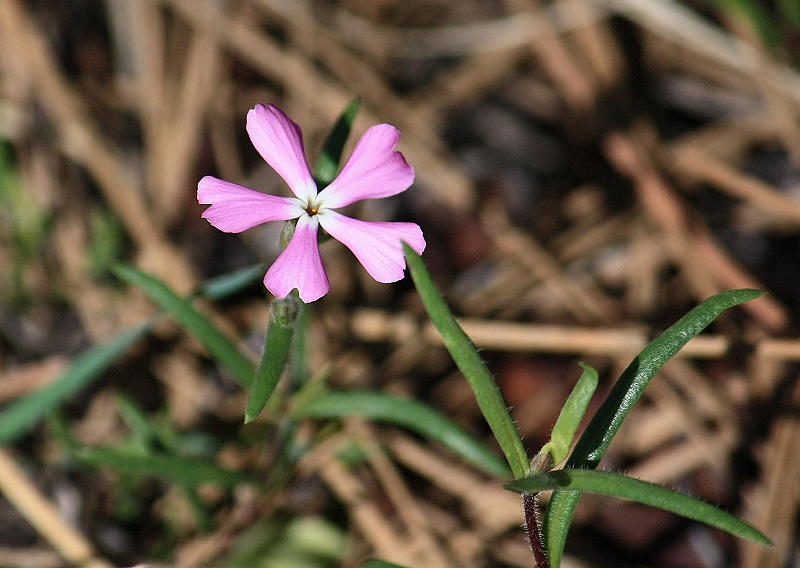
(374, 170)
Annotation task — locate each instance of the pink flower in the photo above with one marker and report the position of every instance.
(374, 170)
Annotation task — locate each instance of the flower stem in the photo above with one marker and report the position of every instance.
(533, 528)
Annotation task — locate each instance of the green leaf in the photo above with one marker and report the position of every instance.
(278, 341)
(221, 348)
(20, 416)
(327, 166)
(171, 468)
(625, 393)
(225, 285)
(407, 413)
(631, 384)
(571, 415)
(490, 400)
(630, 489)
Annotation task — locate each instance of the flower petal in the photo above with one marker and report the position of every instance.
(373, 170)
(280, 143)
(299, 265)
(235, 208)
(377, 246)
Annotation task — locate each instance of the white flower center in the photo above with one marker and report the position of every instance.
(313, 206)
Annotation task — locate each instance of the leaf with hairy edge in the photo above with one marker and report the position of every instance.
(407, 413)
(196, 324)
(625, 393)
(487, 394)
(571, 415)
(630, 489)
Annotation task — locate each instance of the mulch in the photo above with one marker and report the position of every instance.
(586, 172)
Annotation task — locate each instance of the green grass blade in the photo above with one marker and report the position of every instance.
(490, 399)
(407, 413)
(228, 284)
(20, 416)
(168, 467)
(327, 166)
(624, 487)
(380, 564)
(625, 393)
(221, 348)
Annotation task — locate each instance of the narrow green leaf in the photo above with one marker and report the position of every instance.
(571, 415)
(20, 416)
(278, 341)
(225, 285)
(327, 166)
(556, 523)
(407, 413)
(631, 384)
(171, 468)
(538, 481)
(488, 395)
(624, 487)
(221, 348)
(625, 393)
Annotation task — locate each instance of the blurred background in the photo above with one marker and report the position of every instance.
(586, 172)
